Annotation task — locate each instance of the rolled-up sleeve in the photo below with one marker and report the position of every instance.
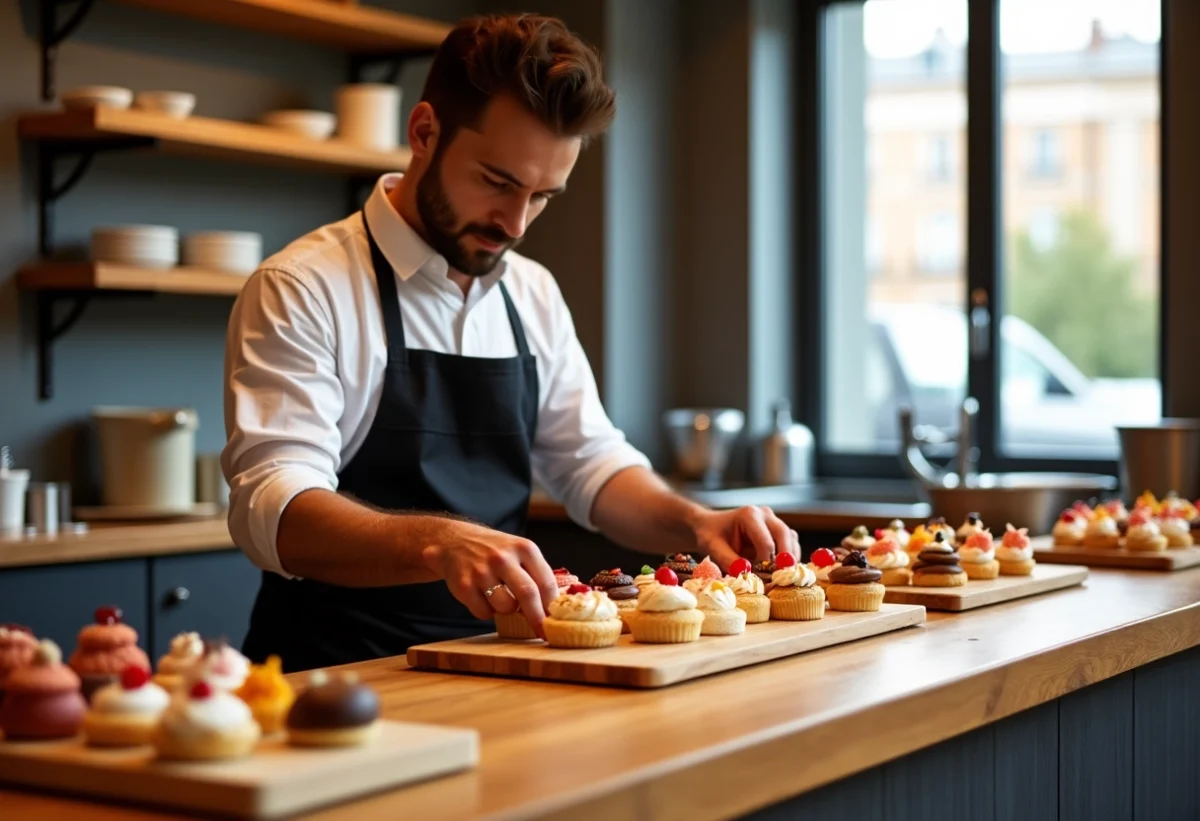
(577, 448)
(283, 401)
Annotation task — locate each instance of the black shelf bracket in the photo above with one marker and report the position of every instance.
(52, 33)
(49, 330)
(49, 192)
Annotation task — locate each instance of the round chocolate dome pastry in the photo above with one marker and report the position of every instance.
(682, 564)
(334, 711)
(613, 581)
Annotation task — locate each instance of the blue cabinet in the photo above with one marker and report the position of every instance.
(211, 593)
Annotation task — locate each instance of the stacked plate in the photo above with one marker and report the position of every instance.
(236, 252)
(147, 246)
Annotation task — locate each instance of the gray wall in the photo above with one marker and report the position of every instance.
(165, 350)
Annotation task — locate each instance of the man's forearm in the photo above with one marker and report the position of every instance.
(636, 509)
(330, 538)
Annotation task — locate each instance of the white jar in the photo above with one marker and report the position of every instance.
(147, 456)
(368, 114)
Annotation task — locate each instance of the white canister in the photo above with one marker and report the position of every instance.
(147, 456)
(13, 484)
(368, 114)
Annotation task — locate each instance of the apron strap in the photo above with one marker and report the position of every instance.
(514, 320)
(389, 298)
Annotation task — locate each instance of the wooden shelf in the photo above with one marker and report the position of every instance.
(106, 276)
(123, 541)
(359, 29)
(204, 136)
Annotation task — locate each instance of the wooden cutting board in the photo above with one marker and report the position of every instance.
(1044, 550)
(630, 664)
(277, 780)
(982, 593)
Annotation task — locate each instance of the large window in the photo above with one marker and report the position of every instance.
(1066, 268)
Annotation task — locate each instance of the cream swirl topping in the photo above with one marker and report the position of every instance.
(113, 698)
(666, 598)
(1103, 525)
(593, 605)
(1175, 526)
(644, 580)
(222, 667)
(696, 585)
(716, 596)
(977, 555)
(745, 584)
(1072, 529)
(890, 560)
(1144, 531)
(186, 648)
(1012, 554)
(822, 573)
(798, 575)
(192, 717)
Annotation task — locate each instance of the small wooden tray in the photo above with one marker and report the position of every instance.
(982, 593)
(276, 780)
(1175, 558)
(629, 664)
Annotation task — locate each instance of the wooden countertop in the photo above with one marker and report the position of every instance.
(123, 541)
(574, 751)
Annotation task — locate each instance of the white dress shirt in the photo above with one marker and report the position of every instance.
(306, 353)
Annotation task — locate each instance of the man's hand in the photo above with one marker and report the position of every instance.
(473, 559)
(755, 533)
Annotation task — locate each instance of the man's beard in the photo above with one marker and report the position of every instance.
(440, 221)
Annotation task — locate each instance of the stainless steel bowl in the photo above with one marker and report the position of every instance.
(1031, 500)
(1161, 458)
(701, 441)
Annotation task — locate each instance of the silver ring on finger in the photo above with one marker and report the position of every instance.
(491, 590)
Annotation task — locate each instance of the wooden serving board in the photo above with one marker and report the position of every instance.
(1044, 550)
(630, 664)
(982, 593)
(276, 780)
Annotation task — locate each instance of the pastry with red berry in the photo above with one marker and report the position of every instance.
(855, 586)
(205, 723)
(17, 646)
(667, 613)
(978, 556)
(749, 590)
(822, 563)
(1068, 531)
(1015, 552)
(42, 699)
(795, 595)
(619, 587)
(125, 714)
(221, 666)
(1144, 534)
(104, 650)
(335, 710)
(582, 617)
(889, 559)
(681, 564)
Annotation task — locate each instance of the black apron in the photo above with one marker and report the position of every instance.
(452, 434)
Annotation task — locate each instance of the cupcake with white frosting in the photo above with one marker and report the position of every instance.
(582, 617)
(750, 591)
(795, 596)
(186, 649)
(667, 613)
(124, 714)
(205, 723)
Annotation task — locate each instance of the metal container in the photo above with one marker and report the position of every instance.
(1031, 500)
(147, 456)
(42, 504)
(786, 455)
(701, 441)
(1161, 458)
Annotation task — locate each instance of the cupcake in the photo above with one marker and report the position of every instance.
(940, 524)
(718, 603)
(859, 539)
(765, 569)
(619, 587)
(971, 525)
(204, 722)
(666, 613)
(515, 626)
(104, 650)
(335, 710)
(978, 556)
(220, 665)
(1069, 529)
(1177, 530)
(186, 649)
(1102, 531)
(1143, 533)
(921, 537)
(17, 646)
(583, 617)
(267, 694)
(1015, 552)
(890, 560)
(681, 564)
(795, 594)
(42, 699)
(705, 572)
(564, 578)
(1116, 509)
(822, 563)
(645, 578)
(748, 587)
(901, 535)
(937, 565)
(125, 714)
(855, 585)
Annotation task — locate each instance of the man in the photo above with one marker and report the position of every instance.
(396, 379)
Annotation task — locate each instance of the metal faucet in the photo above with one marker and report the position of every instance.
(966, 456)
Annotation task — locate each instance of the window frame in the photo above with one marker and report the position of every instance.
(983, 249)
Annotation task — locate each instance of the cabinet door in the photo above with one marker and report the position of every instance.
(57, 600)
(211, 593)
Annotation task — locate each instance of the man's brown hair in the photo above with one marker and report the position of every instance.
(535, 60)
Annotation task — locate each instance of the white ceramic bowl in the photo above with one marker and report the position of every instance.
(316, 125)
(176, 104)
(85, 97)
(235, 252)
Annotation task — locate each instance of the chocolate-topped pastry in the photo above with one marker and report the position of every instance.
(334, 711)
(618, 585)
(940, 524)
(854, 570)
(682, 564)
(937, 565)
(765, 569)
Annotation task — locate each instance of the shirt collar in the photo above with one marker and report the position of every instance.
(404, 248)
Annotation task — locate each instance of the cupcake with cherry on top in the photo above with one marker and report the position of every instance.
(667, 613)
(1015, 552)
(978, 556)
(823, 562)
(1176, 528)
(186, 649)
(42, 699)
(125, 714)
(890, 560)
(1143, 533)
(1069, 530)
(855, 585)
(205, 723)
(795, 594)
(1102, 531)
(619, 587)
(17, 646)
(104, 650)
(971, 524)
(582, 617)
(335, 710)
(749, 590)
